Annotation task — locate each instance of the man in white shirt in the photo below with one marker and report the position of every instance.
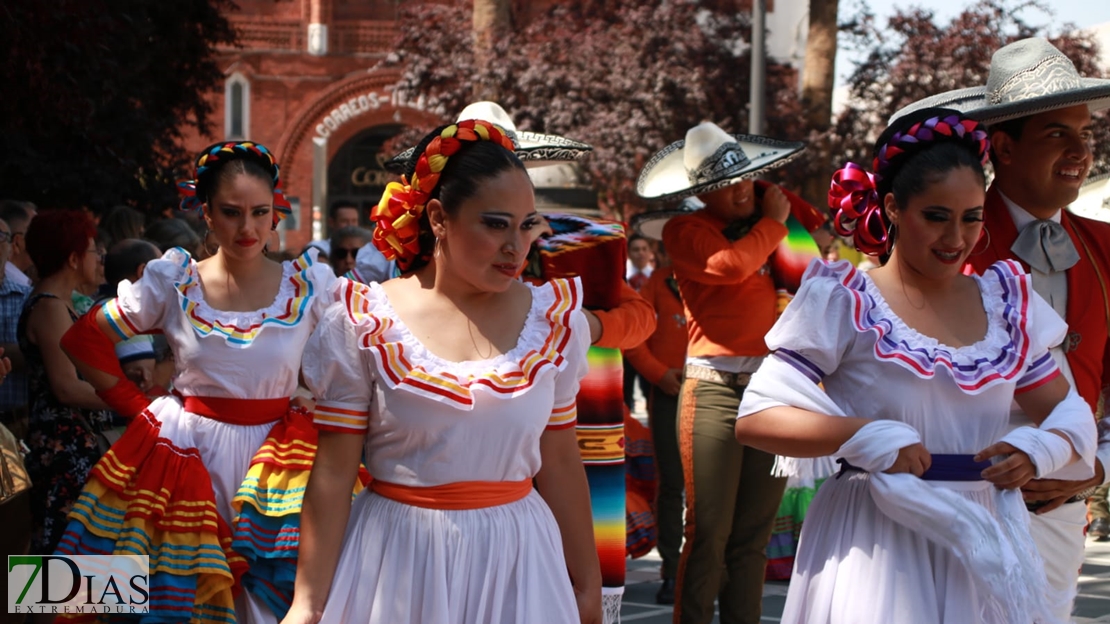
(18, 215)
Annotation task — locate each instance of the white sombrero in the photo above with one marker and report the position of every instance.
(1027, 77)
(534, 148)
(710, 158)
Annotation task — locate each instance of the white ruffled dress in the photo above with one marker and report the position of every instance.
(431, 422)
(214, 499)
(854, 563)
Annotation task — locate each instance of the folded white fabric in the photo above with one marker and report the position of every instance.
(1000, 554)
(1048, 451)
(1071, 418)
(875, 446)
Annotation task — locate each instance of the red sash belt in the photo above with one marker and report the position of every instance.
(460, 495)
(238, 411)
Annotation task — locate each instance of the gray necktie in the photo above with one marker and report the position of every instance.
(1046, 246)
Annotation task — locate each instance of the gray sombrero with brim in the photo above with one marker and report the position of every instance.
(1027, 77)
(709, 159)
(535, 149)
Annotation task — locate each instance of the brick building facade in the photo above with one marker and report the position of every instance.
(305, 83)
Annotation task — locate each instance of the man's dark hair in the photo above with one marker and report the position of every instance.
(16, 213)
(340, 205)
(125, 257)
(1011, 128)
(351, 231)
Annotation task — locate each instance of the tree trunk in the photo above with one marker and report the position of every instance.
(493, 20)
(818, 78)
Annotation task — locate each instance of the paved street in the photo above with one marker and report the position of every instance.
(1092, 606)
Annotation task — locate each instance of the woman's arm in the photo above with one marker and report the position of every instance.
(327, 507)
(1039, 403)
(45, 326)
(98, 377)
(562, 483)
(795, 432)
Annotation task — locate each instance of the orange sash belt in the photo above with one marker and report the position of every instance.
(460, 495)
(238, 411)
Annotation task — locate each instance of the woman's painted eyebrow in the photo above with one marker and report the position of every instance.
(949, 210)
(507, 215)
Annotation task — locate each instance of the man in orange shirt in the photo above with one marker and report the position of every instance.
(723, 257)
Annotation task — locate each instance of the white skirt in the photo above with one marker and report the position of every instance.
(401, 564)
(857, 566)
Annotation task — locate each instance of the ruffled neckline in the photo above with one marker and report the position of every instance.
(1000, 356)
(240, 328)
(405, 363)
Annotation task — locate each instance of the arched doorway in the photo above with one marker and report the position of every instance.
(356, 175)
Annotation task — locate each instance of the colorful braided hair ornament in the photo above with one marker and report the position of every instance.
(398, 214)
(856, 195)
(194, 193)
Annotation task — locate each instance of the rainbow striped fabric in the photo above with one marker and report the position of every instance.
(601, 443)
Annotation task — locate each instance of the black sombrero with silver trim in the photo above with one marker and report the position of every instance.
(535, 149)
(709, 159)
(1026, 77)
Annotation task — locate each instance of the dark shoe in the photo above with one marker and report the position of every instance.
(665, 595)
(1100, 530)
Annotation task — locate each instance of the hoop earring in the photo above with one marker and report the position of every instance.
(891, 230)
(207, 247)
(438, 248)
(985, 247)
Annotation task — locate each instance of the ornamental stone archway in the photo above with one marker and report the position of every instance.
(339, 113)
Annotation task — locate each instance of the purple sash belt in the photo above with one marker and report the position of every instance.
(943, 468)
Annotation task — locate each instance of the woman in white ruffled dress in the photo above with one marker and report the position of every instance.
(924, 523)
(208, 481)
(457, 383)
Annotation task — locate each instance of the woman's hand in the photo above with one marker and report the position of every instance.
(914, 459)
(141, 372)
(589, 604)
(671, 383)
(1010, 473)
(299, 614)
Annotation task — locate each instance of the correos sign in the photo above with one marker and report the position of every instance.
(360, 105)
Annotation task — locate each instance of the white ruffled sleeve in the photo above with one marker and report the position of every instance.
(564, 413)
(141, 306)
(337, 375)
(1044, 329)
(815, 330)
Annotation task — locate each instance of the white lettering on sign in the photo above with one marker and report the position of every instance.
(360, 105)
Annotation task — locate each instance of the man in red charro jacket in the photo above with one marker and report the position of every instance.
(1039, 112)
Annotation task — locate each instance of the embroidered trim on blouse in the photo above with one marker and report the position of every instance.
(239, 329)
(404, 363)
(1002, 355)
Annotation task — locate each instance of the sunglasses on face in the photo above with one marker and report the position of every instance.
(339, 253)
